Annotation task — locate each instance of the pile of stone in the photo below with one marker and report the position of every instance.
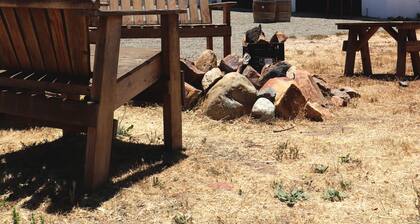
(232, 88)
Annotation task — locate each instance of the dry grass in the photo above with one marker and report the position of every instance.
(229, 167)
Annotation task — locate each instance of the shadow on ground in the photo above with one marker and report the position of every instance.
(388, 77)
(52, 172)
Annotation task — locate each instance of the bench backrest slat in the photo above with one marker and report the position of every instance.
(198, 10)
(49, 40)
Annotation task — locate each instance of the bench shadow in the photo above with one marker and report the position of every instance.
(387, 77)
(52, 173)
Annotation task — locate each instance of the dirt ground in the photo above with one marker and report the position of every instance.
(227, 171)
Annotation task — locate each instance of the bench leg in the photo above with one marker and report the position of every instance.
(351, 54)
(402, 53)
(98, 152)
(210, 43)
(365, 53)
(172, 103)
(415, 57)
(226, 45)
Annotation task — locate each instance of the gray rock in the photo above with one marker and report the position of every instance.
(230, 98)
(263, 110)
(211, 77)
(342, 94)
(351, 92)
(268, 93)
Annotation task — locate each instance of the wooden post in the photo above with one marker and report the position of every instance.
(227, 39)
(402, 53)
(172, 102)
(351, 53)
(415, 57)
(365, 53)
(210, 43)
(99, 138)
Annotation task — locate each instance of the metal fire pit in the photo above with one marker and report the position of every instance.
(262, 54)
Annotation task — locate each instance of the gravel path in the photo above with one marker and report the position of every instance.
(242, 21)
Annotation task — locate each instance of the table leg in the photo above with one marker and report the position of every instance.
(351, 53)
(365, 53)
(415, 58)
(402, 53)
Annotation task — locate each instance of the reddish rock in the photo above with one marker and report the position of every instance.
(279, 37)
(338, 101)
(191, 97)
(316, 112)
(308, 86)
(192, 74)
(252, 75)
(289, 101)
(231, 63)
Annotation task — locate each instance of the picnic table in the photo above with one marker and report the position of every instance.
(403, 32)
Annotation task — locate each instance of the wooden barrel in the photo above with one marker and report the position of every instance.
(264, 11)
(283, 10)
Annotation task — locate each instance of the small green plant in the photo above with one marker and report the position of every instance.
(2, 203)
(156, 182)
(124, 131)
(181, 218)
(319, 168)
(345, 185)
(290, 198)
(333, 195)
(345, 159)
(286, 151)
(15, 216)
(33, 220)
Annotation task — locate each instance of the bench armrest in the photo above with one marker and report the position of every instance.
(135, 12)
(222, 5)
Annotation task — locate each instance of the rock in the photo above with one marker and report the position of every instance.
(252, 75)
(271, 71)
(403, 83)
(316, 112)
(323, 86)
(206, 61)
(268, 93)
(263, 110)
(338, 101)
(279, 37)
(308, 87)
(191, 96)
(351, 92)
(254, 34)
(231, 63)
(291, 72)
(192, 74)
(343, 95)
(211, 77)
(289, 101)
(230, 98)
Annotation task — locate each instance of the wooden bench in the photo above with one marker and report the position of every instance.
(197, 22)
(358, 40)
(47, 77)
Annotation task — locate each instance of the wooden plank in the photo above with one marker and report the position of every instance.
(48, 109)
(364, 50)
(413, 46)
(125, 5)
(227, 42)
(138, 5)
(351, 53)
(402, 53)
(58, 35)
(78, 44)
(161, 4)
(114, 5)
(186, 30)
(44, 39)
(30, 38)
(172, 4)
(150, 5)
(172, 105)
(99, 137)
(364, 39)
(194, 12)
(137, 80)
(49, 4)
(16, 38)
(7, 52)
(391, 32)
(205, 11)
(183, 17)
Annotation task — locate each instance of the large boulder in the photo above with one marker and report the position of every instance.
(211, 77)
(308, 87)
(230, 98)
(263, 110)
(289, 101)
(206, 61)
